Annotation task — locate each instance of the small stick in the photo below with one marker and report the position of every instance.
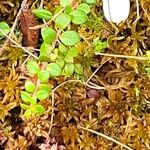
(123, 56)
(16, 20)
(19, 45)
(106, 137)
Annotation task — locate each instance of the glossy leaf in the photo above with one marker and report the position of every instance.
(33, 67)
(24, 106)
(65, 3)
(42, 13)
(78, 17)
(28, 113)
(73, 52)
(5, 28)
(42, 94)
(48, 35)
(38, 109)
(45, 87)
(68, 69)
(84, 7)
(54, 69)
(43, 75)
(45, 51)
(90, 1)
(62, 21)
(29, 86)
(70, 38)
(33, 100)
(60, 63)
(25, 96)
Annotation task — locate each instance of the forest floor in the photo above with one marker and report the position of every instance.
(69, 79)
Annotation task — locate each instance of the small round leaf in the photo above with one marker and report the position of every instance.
(42, 94)
(38, 109)
(70, 38)
(54, 69)
(78, 17)
(33, 67)
(65, 3)
(62, 21)
(43, 75)
(84, 7)
(25, 96)
(48, 35)
(69, 69)
(45, 87)
(29, 86)
(73, 52)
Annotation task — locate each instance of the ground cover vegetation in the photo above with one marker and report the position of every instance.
(71, 80)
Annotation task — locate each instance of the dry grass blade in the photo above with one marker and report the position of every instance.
(123, 56)
(19, 45)
(106, 137)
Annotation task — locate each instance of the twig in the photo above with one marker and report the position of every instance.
(56, 88)
(106, 137)
(16, 20)
(122, 56)
(19, 45)
(96, 71)
(137, 9)
(41, 6)
(145, 12)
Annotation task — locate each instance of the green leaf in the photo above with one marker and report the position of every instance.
(68, 10)
(62, 48)
(5, 28)
(54, 69)
(33, 67)
(29, 86)
(38, 109)
(70, 38)
(42, 13)
(25, 96)
(84, 7)
(78, 17)
(148, 54)
(45, 87)
(79, 69)
(45, 51)
(42, 94)
(68, 69)
(65, 3)
(73, 52)
(43, 75)
(90, 1)
(28, 113)
(48, 35)
(60, 63)
(69, 59)
(62, 21)
(24, 106)
(33, 100)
